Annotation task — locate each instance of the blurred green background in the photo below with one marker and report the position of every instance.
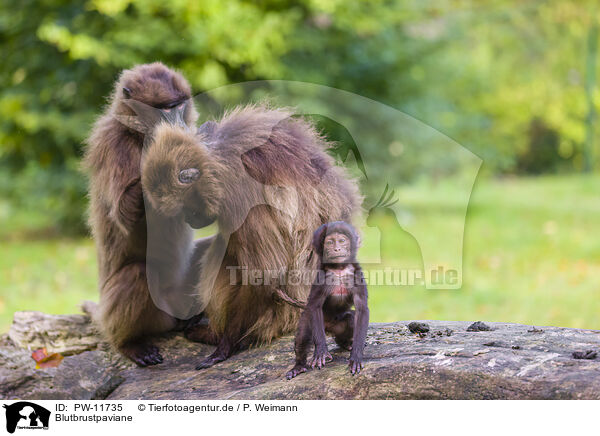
(514, 82)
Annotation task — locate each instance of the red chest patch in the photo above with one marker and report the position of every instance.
(339, 291)
(341, 281)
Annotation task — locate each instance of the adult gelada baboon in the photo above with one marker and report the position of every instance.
(265, 178)
(126, 312)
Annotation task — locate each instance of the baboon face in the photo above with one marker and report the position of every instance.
(336, 242)
(155, 86)
(178, 176)
(337, 248)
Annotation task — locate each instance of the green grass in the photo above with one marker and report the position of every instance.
(531, 255)
(52, 276)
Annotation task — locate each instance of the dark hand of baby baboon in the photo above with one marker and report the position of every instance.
(319, 358)
(338, 286)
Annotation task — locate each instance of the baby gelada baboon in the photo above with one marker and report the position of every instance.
(338, 286)
(126, 312)
(265, 178)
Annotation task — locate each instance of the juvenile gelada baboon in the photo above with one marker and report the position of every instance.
(126, 312)
(265, 178)
(338, 285)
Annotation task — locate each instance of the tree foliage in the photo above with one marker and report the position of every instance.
(480, 73)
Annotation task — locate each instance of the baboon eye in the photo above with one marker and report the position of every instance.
(189, 175)
(172, 104)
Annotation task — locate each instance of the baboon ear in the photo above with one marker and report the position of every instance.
(358, 240)
(189, 175)
(126, 93)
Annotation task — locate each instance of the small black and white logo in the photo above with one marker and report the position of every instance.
(26, 415)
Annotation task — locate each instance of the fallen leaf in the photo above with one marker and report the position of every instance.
(39, 354)
(43, 360)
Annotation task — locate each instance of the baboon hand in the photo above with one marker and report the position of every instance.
(320, 357)
(189, 175)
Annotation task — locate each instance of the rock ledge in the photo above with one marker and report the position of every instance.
(510, 361)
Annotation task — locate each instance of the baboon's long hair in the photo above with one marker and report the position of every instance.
(266, 179)
(126, 312)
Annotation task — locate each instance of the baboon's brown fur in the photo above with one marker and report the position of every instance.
(126, 312)
(253, 153)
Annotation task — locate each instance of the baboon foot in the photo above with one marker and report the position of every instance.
(141, 352)
(211, 360)
(223, 352)
(298, 369)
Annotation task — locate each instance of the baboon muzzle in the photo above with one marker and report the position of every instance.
(195, 212)
(197, 220)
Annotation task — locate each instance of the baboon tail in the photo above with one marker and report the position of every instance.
(279, 294)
